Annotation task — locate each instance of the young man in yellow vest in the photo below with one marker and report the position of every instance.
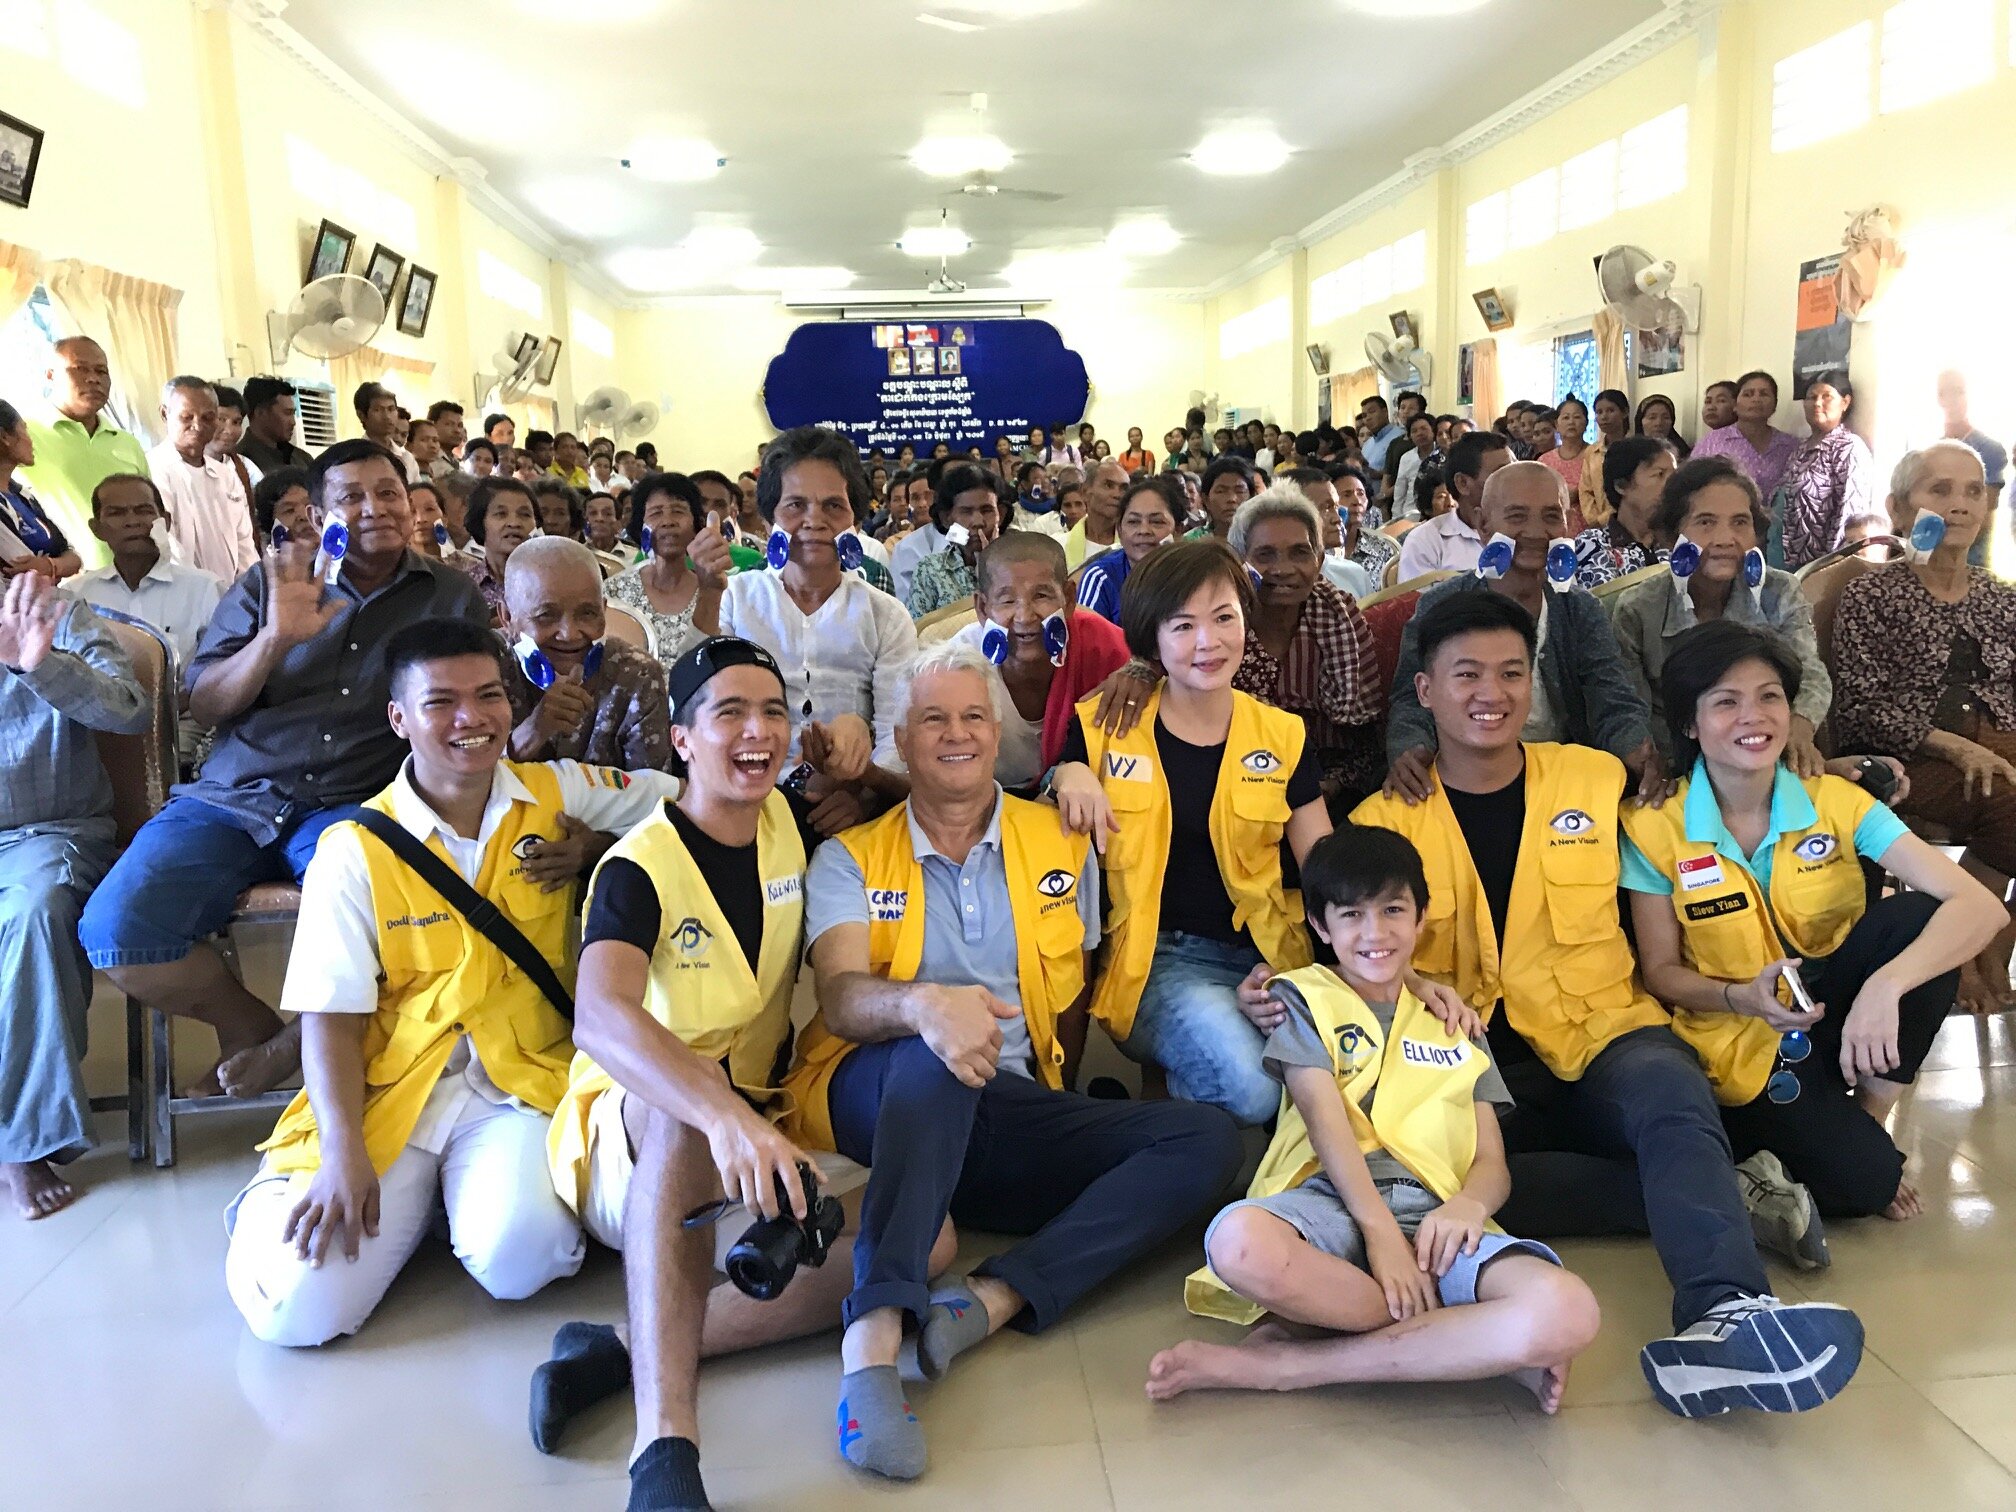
(688, 961)
(1370, 1215)
(432, 1062)
(1615, 1128)
(949, 938)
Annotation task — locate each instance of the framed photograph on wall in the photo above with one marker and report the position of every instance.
(1403, 326)
(527, 353)
(1491, 305)
(382, 272)
(20, 151)
(549, 361)
(331, 252)
(418, 301)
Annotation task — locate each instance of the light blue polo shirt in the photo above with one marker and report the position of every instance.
(1791, 811)
(969, 922)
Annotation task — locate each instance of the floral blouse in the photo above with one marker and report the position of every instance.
(671, 634)
(1606, 552)
(1893, 649)
(1831, 481)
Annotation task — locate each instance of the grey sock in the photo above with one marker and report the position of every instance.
(955, 1323)
(878, 1431)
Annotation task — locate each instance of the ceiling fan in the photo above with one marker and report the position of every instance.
(981, 184)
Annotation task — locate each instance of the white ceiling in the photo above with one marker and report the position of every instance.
(815, 104)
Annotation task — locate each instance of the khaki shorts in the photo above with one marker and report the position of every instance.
(610, 1164)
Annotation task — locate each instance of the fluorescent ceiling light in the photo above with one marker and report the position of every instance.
(1148, 236)
(673, 160)
(1414, 10)
(1240, 150)
(782, 280)
(934, 241)
(957, 156)
(947, 23)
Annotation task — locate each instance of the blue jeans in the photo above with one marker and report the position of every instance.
(1635, 1146)
(1189, 1023)
(1092, 1185)
(177, 882)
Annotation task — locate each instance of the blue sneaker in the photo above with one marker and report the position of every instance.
(1758, 1353)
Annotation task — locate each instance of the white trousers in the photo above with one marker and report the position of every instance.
(507, 1227)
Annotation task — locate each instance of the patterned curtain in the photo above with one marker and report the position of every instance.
(134, 321)
(20, 271)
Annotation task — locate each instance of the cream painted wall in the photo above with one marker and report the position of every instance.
(1262, 379)
(707, 357)
(1345, 335)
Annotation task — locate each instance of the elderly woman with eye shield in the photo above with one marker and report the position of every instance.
(1811, 1008)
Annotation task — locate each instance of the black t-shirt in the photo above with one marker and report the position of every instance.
(1194, 899)
(625, 905)
(1492, 824)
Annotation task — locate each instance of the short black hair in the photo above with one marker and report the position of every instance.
(1458, 613)
(496, 418)
(538, 438)
(1426, 481)
(228, 397)
(1704, 472)
(1023, 546)
(1759, 373)
(713, 475)
(810, 443)
(160, 504)
(487, 489)
(678, 485)
(366, 395)
(963, 477)
(263, 390)
(1358, 862)
(342, 454)
(433, 640)
(1305, 477)
(442, 407)
(268, 493)
(559, 488)
(1701, 658)
(1223, 465)
(1467, 454)
(1167, 579)
(1621, 460)
(478, 443)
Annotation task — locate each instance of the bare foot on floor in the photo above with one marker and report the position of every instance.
(1194, 1365)
(1973, 995)
(1548, 1383)
(253, 1069)
(36, 1189)
(1905, 1204)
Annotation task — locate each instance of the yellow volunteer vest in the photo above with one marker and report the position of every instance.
(1043, 865)
(1727, 932)
(1566, 976)
(441, 980)
(700, 987)
(1249, 811)
(1424, 1115)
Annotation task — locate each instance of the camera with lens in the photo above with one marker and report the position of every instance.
(766, 1257)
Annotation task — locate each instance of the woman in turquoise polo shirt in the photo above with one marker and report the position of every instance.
(1749, 879)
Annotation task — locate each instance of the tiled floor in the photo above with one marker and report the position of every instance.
(129, 1381)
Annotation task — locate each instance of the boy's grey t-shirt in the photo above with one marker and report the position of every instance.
(1297, 1043)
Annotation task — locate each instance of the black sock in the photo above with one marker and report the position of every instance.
(666, 1478)
(589, 1363)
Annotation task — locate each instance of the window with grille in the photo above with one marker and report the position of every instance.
(1822, 91)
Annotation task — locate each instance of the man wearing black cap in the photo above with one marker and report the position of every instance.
(690, 953)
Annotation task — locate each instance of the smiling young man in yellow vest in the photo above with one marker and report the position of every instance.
(1615, 1128)
(949, 938)
(432, 1060)
(688, 961)
(1370, 1215)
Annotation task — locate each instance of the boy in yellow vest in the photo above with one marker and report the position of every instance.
(432, 1062)
(949, 937)
(1615, 1128)
(1370, 1216)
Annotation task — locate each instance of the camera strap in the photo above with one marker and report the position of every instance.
(477, 911)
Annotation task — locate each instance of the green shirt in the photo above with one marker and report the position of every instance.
(69, 463)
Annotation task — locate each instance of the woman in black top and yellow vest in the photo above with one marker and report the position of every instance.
(1745, 883)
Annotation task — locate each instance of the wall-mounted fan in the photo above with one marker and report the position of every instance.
(517, 361)
(640, 419)
(601, 409)
(1399, 360)
(1644, 291)
(331, 317)
(1207, 403)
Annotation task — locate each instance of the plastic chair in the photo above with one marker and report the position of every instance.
(629, 627)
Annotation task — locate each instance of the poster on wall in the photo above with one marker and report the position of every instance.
(1820, 340)
(963, 385)
(1660, 353)
(1466, 375)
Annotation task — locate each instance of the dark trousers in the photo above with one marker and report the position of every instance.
(1094, 1184)
(1635, 1146)
(1823, 1136)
